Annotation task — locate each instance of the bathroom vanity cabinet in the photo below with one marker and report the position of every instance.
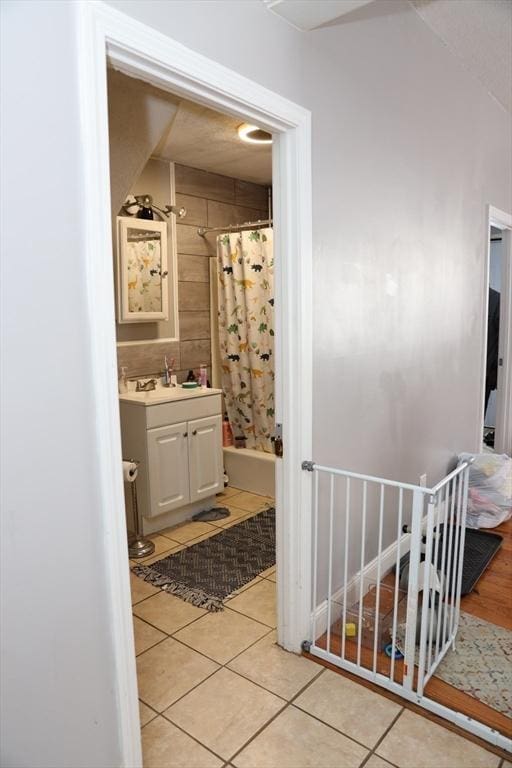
(178, 443)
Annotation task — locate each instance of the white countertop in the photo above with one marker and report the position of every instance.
(166, 395)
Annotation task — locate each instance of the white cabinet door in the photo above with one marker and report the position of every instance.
(168, 468)
(205, 457)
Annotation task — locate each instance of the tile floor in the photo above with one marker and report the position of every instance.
(217, 692)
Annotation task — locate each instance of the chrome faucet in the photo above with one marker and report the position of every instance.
(145, 386)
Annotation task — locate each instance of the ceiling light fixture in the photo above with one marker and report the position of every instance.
(254, 135)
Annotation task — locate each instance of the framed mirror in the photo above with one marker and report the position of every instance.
(142, 270)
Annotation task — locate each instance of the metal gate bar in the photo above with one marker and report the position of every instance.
(361, 533)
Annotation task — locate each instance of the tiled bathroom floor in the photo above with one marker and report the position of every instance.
(215, 690)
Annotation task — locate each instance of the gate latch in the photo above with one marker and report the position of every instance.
(278, 441)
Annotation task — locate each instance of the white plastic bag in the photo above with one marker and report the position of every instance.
(490, 489)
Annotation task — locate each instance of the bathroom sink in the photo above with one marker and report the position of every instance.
(164, 394)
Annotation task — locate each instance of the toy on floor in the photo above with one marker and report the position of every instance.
(350, 629)
(389, 649)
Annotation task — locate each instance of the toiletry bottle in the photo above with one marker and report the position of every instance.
(123, 381)
(203, 376)
(227, 434)
(190, 376)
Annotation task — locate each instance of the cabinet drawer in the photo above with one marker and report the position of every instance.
(185, 410)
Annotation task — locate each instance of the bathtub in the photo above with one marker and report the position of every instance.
(251, 470)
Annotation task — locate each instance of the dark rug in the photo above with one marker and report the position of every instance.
(216, 513)
(479, 549)
(206, 573)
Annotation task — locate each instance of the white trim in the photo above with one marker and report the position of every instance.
(499, 218)
(97, 237)
(503, 435)
(294, 389)
(503, 439)
(144, 53)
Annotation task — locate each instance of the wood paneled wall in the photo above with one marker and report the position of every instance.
(211, 200)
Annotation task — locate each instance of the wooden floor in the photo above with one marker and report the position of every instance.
(491, 600)
(492, 597)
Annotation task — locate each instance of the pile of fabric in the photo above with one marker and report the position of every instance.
(490, 489)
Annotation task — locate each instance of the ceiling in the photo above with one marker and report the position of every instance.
(190, 135)
(202, 138)
(309, 14)
(477, 32)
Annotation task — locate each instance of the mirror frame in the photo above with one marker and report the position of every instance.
(124, 223)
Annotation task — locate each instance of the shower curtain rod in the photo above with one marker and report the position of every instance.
(248, 225)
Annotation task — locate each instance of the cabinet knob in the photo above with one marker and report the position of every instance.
(185, 434)
(194, 432)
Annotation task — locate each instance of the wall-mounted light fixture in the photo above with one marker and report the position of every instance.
(142, 206)
(254, 135)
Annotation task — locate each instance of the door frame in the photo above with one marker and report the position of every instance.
(503, 432)
(105, 34)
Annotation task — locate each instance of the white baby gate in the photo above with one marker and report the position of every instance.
(389, 624)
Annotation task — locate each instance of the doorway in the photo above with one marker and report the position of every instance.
(497, 410)
(108, 36)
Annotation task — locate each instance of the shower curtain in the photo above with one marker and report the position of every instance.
(246, 333)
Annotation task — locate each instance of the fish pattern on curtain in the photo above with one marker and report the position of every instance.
(246, 333)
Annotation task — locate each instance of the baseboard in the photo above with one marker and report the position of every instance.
(176, 516)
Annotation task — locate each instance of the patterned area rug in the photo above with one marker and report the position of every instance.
(204, 574)
(481, 663)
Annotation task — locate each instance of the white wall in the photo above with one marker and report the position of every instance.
(407, 149)
(58, 703)
(241, 35)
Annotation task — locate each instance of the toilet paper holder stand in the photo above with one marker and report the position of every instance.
(138, 546)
